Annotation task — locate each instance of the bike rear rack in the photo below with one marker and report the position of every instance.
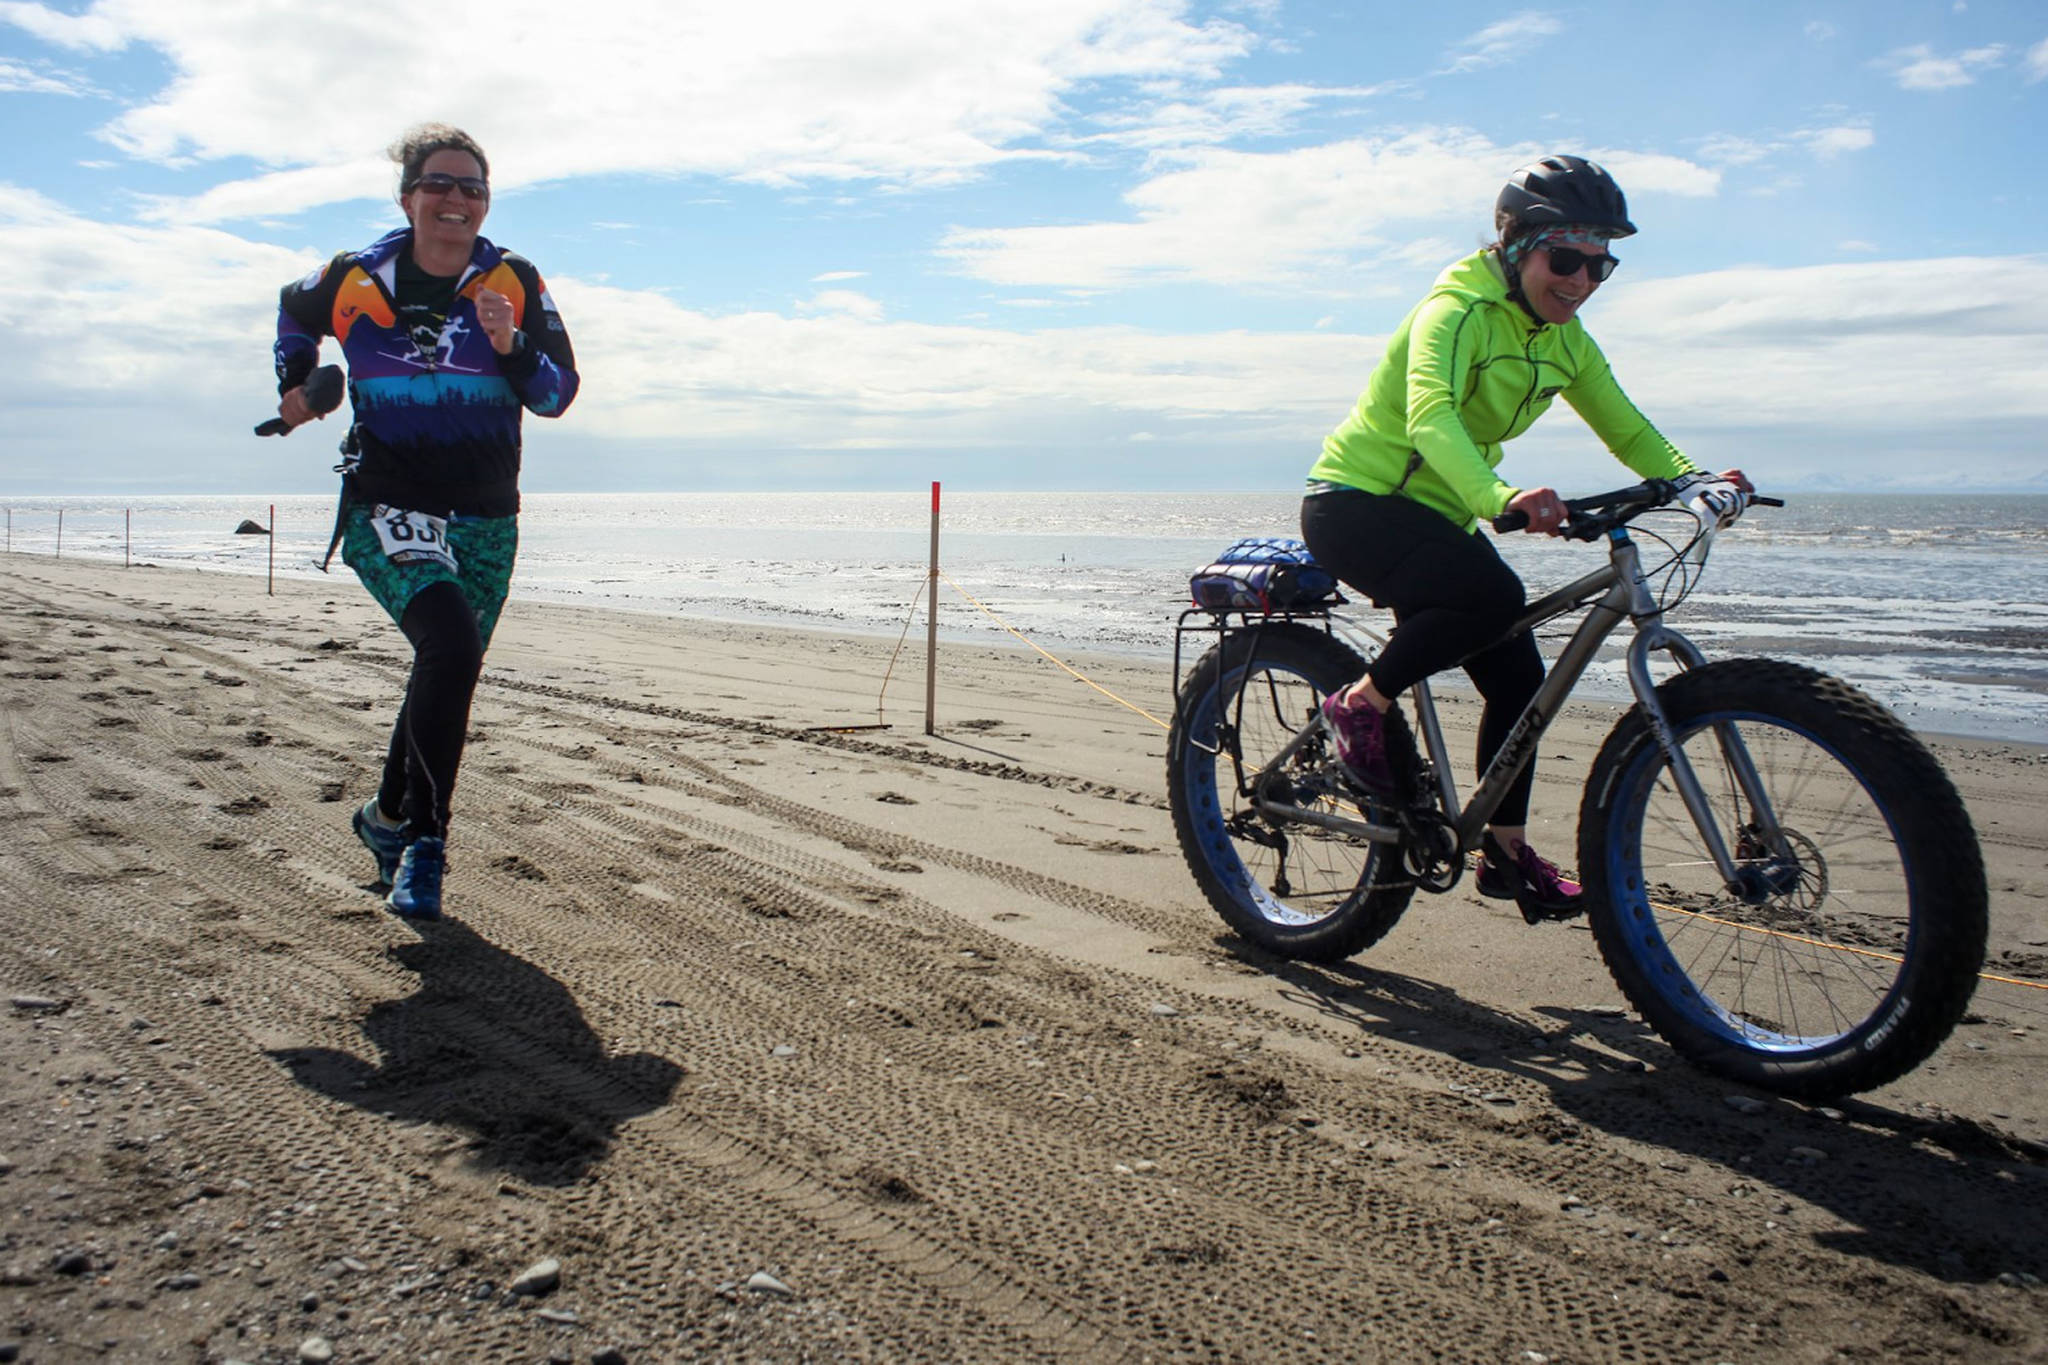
(1223, 622)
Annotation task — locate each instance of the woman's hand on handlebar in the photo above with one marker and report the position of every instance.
(1544, 509)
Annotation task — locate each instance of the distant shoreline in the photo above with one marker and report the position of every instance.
(327, 489)
(1117, 659)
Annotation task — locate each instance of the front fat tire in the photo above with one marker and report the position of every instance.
(1320, 902)
(1794, 990)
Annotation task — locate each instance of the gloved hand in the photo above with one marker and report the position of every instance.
(1711, 497)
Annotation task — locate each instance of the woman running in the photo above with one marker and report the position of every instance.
(449, 339)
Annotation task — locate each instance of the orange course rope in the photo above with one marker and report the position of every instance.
(1838, 947)
(1074, 672)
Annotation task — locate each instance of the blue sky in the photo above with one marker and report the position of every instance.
(1044, 244)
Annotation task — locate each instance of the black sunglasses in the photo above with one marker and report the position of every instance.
(1565, 260)
(472, 187)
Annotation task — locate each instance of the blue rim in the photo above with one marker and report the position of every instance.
(1205, 805)
(1644, 939)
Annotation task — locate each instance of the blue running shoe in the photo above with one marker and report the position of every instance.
(385, 842)
(416, 890)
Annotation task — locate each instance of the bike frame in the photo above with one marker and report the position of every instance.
(1618, 592)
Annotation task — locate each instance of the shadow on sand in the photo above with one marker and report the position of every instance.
(492, 1045)
(1937, 1192)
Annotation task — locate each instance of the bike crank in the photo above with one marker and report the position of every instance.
(1431, 852)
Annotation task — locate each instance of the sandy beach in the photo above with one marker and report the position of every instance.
(790, 1043)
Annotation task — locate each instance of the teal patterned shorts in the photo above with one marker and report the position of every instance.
(484, 548)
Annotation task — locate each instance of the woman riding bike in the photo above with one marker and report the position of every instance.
(448, 339)
(1394, 502)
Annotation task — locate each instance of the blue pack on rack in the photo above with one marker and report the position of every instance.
(1263, 573)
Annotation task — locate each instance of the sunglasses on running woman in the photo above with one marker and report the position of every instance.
(437, 183)
(1566, 260)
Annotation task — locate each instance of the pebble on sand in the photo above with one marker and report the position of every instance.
(538, 1278)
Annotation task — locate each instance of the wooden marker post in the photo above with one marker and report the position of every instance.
(931, 622)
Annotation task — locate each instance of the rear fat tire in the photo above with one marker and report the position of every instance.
(1793, 993)
(1320, 903)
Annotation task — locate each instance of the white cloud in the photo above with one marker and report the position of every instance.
(850, 302)
(1827, 143)
(169, 354)
(779, 92)
(1833, 347)
(2037, 61)
(1921, 68)
(1820, 30)
(1726, 149)
(101, 30)
(19, 78)
(1310, 217)
(1723, 149)
(1498, 44)
(1215, 117)
(831, 276)
(164, 305)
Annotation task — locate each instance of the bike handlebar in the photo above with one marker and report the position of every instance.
(1590, 518)
(323, 387)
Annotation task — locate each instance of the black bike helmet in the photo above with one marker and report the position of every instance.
(1562, 189)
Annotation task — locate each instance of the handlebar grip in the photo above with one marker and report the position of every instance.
(1758, 500)
(323, 390)
(1514, 520)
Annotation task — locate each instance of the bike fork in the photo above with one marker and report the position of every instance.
(1733, 751)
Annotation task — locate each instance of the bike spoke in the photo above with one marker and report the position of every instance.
(1780, 968)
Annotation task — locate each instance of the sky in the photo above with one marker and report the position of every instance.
(1131, 244)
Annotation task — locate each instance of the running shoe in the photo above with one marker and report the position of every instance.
(1361, 735)
(1530, 881)
(385, 842)
(416, 890)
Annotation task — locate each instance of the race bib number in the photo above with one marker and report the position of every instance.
(409, 537)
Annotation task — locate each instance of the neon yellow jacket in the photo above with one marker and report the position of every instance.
(1467, 370)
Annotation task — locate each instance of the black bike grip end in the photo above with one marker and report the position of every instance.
(276, 426)
(1513, 520)
(1758, 500)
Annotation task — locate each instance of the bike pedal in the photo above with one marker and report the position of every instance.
(1538, 915)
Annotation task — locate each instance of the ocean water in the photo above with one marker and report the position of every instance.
(1936, 605)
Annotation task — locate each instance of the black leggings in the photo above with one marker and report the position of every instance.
(433, 721)
(1450, 594)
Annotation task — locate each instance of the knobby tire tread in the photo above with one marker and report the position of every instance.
(1949, 914)
(1328, 664)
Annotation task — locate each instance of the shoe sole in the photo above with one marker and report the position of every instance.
(1532, 914)
(412, 914)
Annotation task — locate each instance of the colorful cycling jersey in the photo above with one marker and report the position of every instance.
(1467, 370)
(436, 417)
